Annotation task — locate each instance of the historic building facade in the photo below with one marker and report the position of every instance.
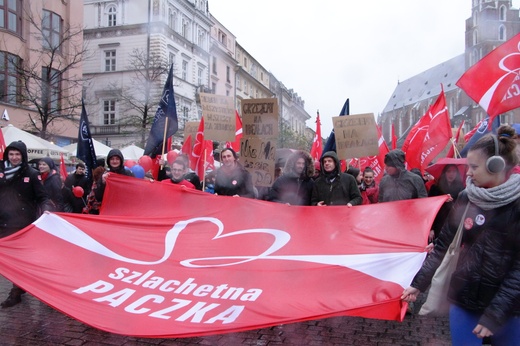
(492, 23)
(38, 38)
(123, 34)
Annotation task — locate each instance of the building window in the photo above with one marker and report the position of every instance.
(51, 88)
(222, 38)
(110, 60)
(199, 77)
(502, 33)
(112, 16)
(239, 83)
(184, 70)
(171, 19)
(171, 58)
(245, 62)
(475, 37)
(214, 88)
(475, 18)
(109, 112)
(214, 65)
(9, 82)
(228, 74)
(11, 15)
(502, 13)
(202, 38)
(51, 30)
(185, 28)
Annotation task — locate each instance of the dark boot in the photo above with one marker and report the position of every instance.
(15, 297)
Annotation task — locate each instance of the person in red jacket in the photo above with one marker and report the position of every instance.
(369, 188)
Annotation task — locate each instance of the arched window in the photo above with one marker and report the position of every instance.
(111, 15)
(475, 37)
(502, 13)
(475, 18)
(502, 33)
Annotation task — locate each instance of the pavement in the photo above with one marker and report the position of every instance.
(32, 322)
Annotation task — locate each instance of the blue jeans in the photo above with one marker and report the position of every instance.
(462, 323)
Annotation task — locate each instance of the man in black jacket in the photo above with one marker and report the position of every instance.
(23, 198)
(77, 178)
(333, 187)
(295, 185)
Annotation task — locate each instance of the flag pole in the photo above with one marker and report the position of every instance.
(204, 171)
(164, 140)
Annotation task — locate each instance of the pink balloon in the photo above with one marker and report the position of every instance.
(146, 162)
(171, 156)
(78, 191)
(130, 163)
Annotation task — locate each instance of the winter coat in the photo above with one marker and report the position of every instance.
(487, 277)
(291, 188)
(23, 197)
(404, 185)
(76, 204)
(335, 188)
(369, 194)
(100, 184)
(52, 184)
(237, 181)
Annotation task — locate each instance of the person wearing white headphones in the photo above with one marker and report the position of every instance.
(484, 290)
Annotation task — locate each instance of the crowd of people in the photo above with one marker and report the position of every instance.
(485, 290)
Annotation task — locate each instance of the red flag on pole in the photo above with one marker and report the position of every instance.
(186, 146)
(198, 150)
(451, 152)
(493, 82)
(238, 134)
(394, 138)
(470, 134)
(429, 136)
(63, 168)
(317, 144)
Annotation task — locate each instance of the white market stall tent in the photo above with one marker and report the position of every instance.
(37, 147)
(100, 148)
(132, 152)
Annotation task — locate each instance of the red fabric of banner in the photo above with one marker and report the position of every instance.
(163, 261)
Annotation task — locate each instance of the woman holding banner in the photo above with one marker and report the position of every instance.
(484, 290)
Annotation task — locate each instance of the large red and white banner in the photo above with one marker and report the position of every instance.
(163, 261)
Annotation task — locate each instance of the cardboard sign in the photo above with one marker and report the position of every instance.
(258, 157)
(190, 129)
(260, 134)
(356, 135)
(219, 117)
(260, 118)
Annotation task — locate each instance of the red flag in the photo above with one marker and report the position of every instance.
(429, 136)
(205, 161)
(451, 152)
(2, 144)
(238, 134)
(377, 163)
(186, 146)
(493, 82)
(317, 144)
(198, 147)
(394, 138)
(470, 134)
(63, 168)
(152, 271)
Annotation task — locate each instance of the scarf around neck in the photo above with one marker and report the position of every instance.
(10, 170)
(494, 197)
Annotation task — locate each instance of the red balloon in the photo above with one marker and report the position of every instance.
(130, 163)
(146, 162)
(171, 156)
(78, 191)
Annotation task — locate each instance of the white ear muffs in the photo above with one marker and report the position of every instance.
(495, 164)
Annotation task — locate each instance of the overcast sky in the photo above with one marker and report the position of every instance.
(331, 50)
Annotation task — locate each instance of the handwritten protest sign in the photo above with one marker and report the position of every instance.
(258, 144)
(219, 117)
(258, 157)
(190, 129)
(356, 135)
